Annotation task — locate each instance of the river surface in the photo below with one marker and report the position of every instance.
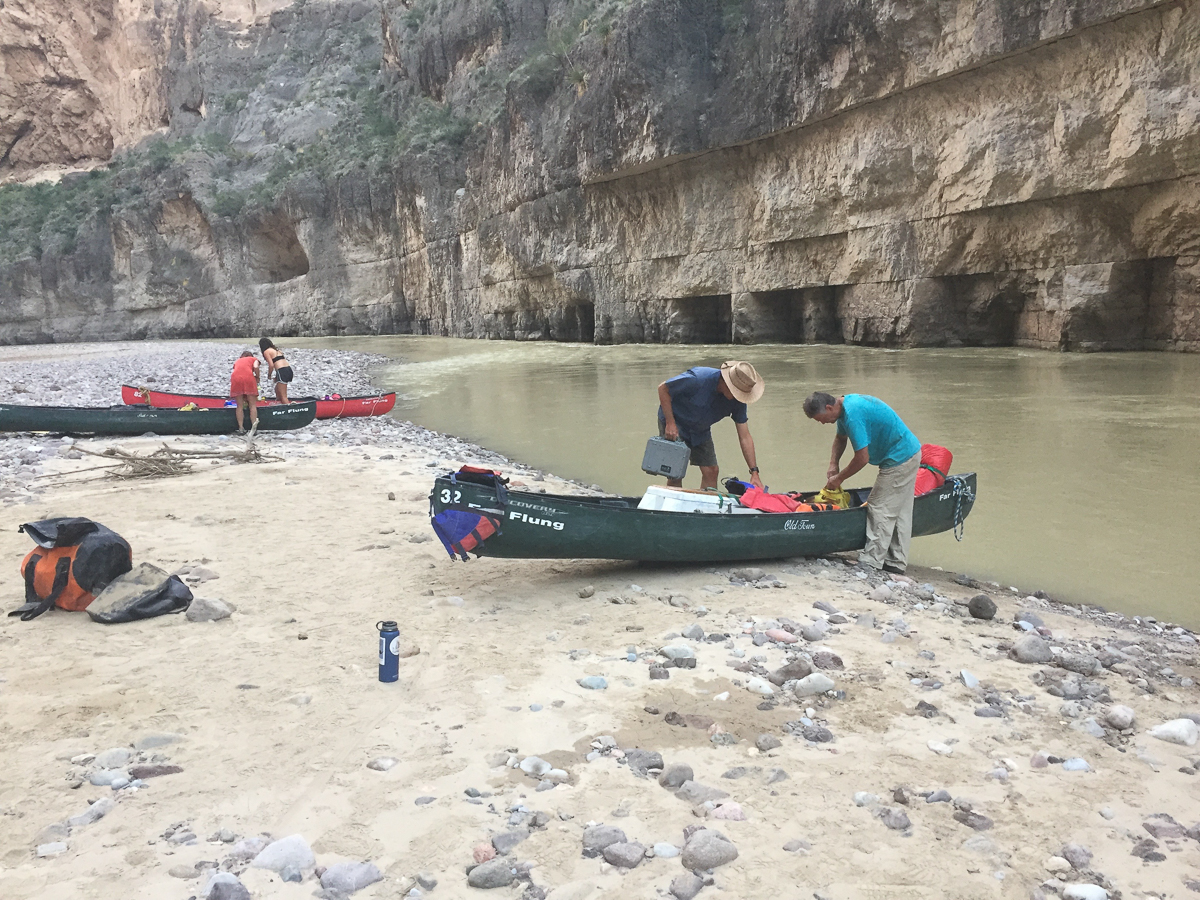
(1088, 482)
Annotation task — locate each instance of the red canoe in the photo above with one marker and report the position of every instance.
(340, 408)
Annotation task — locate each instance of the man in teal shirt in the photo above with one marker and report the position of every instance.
(879, 438)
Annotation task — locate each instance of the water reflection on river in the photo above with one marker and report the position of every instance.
(1087, 463)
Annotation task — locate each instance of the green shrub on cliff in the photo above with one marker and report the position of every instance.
(433, 124)
(228, 203)
(36, 218)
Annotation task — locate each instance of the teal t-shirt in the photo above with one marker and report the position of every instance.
(869, 422)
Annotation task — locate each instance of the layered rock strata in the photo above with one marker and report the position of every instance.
(863, 172)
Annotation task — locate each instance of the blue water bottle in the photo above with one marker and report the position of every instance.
(389, 651)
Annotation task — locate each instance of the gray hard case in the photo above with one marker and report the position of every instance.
(665, 457)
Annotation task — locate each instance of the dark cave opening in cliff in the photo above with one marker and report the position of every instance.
(576, 324)
(699, 320)
(585, 316)
(795, 316)
(274, 252)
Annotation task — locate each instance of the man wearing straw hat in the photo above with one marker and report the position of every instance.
(691, 403)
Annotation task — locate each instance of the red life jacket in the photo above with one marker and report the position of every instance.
(780, 503)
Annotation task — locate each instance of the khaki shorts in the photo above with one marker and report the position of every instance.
(704, 455)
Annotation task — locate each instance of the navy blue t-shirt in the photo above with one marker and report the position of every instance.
(697, 404)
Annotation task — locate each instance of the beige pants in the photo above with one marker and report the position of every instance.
(889, 515)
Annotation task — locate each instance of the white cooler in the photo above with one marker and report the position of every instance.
(673, 500)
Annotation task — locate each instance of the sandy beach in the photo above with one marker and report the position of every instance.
(945, 756)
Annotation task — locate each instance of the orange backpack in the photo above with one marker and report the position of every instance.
(75, 559)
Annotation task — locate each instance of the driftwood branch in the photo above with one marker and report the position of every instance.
(166, 462)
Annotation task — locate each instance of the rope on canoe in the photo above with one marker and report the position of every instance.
(962, 491)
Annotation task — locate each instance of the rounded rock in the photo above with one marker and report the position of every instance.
(625, 854)
(708, 849)
(598, 837)
(1031, 649)
(1120, 717)
(349, 877)
(1078, 856)
(673, 776)
(506, 841)
(1184, 732)
(116, 758)
(481, 853)
(759, 686)
(816, 683)
(981, 606)
(535, 765)
(765, 743)
(495, 873)
(292, 850)
(687, 886)
(678, 651)
(729, 811)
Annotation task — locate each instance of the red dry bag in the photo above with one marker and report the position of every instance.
(935, 467)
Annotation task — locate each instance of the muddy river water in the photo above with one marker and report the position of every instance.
(1088, 480)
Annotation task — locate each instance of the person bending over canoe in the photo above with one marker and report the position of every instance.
(243, 388)
(278, 368)
(691, 403)
(879, 438)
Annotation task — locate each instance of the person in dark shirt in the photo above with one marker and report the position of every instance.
(278, 368)
(691, 403)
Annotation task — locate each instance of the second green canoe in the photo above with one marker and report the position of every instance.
(134, 420)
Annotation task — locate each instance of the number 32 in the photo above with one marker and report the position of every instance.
(445, 498)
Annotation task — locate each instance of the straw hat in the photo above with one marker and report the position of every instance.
(744, 382)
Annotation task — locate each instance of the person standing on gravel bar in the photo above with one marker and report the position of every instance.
(243, 388)
(879, 438)
(279, 368)
(691, 403)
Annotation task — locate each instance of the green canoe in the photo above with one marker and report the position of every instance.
(134, 420)
(555, 526)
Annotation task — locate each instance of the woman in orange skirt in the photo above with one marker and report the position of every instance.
(243, 388)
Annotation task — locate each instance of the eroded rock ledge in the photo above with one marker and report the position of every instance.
(857, 172)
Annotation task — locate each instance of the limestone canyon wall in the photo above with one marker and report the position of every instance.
(871, 172)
